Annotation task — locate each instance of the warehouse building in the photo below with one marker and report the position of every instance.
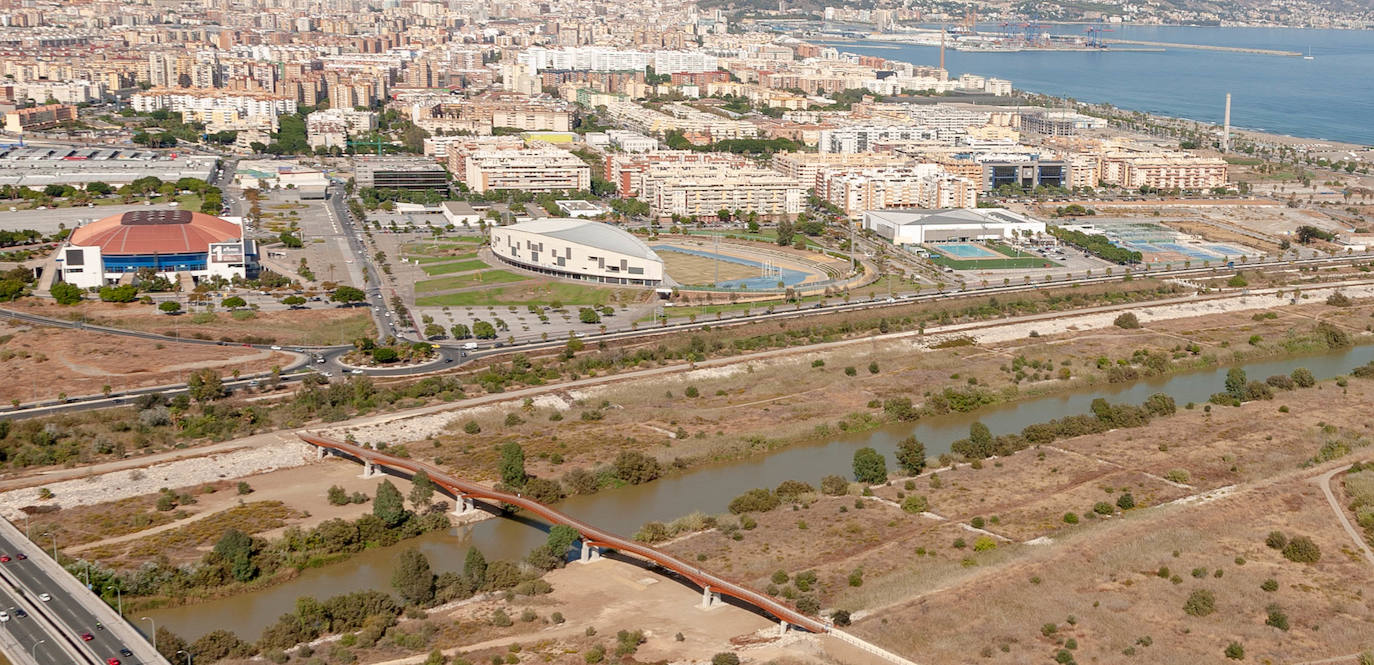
(578, 249)
(917, 227)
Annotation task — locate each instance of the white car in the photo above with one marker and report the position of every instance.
(356, 371)
(276, 348)
(44, 597)
(4, 616)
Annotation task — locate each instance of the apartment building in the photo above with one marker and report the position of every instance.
(1164, 171)
(191, 103)
(866, 138)
(915, 186)
(38, 117)
(680, 118)
(700, 190)
(626, 171)
(541, 169)
(331, 128)
(806, 166)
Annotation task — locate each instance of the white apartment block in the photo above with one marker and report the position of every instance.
(195, 101)
(530, 170)
(331, 127)
(631, 141)
(599, 59)
(863, 138)
(701, 190)
(677, 117)
(806, 166)
(65, 92)
(919, 186)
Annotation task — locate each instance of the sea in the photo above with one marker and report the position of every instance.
(1329, 97)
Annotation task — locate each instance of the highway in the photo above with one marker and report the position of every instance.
(450, 355)
(71, 611)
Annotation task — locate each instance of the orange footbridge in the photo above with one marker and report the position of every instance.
(591, 535)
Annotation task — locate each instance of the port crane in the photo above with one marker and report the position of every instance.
(1095, 35)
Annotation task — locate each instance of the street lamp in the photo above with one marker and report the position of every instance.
(54, 544)
(119, 597)
(188, 656)
(154, 630)
(33, 652)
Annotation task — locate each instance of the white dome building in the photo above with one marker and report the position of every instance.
(578, 249)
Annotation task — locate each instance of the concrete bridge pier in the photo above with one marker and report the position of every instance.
(709, 600)
(590, 553)
(369, 469)
(463, 505)
(783, 627)
(321, 452)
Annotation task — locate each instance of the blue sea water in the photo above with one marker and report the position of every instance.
(1329, 97)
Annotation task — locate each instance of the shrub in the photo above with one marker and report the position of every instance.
(1125, 501)
(984, 543)
(471, 427)
(1071, 518)
(1235, 651)
(1303, 377)
(834, 486)
(725, 658)
(915, 503)
(499, 618)
(757, 500)
(808, 604)
(840, 617)
(850, 371)
(1128, 321)
(1276, 540)
(1178, 476)
(1200, 603)
(1277, 617)
(856, 577)
(1301, 549)
(692, 392)
(1271, 585)
(1338, 299)
(1103, 508)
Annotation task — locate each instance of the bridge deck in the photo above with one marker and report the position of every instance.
(590, 534)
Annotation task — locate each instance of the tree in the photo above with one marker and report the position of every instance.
(1128, 321)
(236, 549)
(233, 302)
(421, 489)
(561, 537)
(66, 293)
(979, 443)
(588, 315)
(785, 233)
(205, 385)
(513, 464)
(169, 307)
(217, 645)
(1235, 383)
(293, 301)
(869, 466)
(348, 295)
(385, 354)
(121, 293)
(636, 468)
(169, 643)
(460, 331)
(475, 568)
(483, 330)
(911, 455)
(389, 507)
(433, 330)
(1303, 377)
(413, 579)
(291, 241)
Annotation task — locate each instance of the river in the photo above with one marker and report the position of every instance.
(1328, 97)
(707, 488)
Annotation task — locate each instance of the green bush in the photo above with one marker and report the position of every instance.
(1301, 549)
(1200, 603)
(1235, 651)
(915, 504)
(1103, 508)
(754, 501)
(1128, 321)
(1276, 540)
(1070, 518)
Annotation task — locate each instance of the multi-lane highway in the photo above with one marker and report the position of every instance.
(60, 610)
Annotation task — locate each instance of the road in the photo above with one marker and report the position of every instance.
(1325, 481)
(337, 206)
(450, 355)
(71, 609)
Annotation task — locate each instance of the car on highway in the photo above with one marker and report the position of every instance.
(126, 653)
(4, 616)
(4, 558)
(44, 597)
(21, 556)
(356, 371)
(87, 637)
(19, 612)
(111, 661)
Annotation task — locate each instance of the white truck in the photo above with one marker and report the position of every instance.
(470, 346)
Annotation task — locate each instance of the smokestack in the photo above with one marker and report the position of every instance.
(942, 47)
(1226, 127)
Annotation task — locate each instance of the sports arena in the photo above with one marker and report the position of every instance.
(169, 242)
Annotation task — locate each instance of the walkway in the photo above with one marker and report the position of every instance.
(591, 536)
(1325, 481)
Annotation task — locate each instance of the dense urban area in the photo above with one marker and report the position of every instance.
(430, 333)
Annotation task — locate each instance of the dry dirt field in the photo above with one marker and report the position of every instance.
(1098, 581)
(45, 361)
(306, 326)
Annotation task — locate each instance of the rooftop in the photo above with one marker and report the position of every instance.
(595, 234)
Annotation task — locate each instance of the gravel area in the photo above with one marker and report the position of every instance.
(116, 485)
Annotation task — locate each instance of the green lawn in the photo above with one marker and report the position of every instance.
(543, 293)
(458, 266)
(440, 259)
(464, 281)
(439, 245)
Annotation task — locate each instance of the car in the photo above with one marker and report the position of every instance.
(276, 348)
(111, 661)
(4, 616)
(126, 653)
(44, 597)
(87, 637)
(21, 556)
(356, 371)
(326, 374)
(4, 558)
(19, 612)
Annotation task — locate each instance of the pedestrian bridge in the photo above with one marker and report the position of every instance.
(593, 539)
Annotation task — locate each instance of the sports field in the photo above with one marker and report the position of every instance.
(465, 281)
(993, 256)
(696, 269)
(456, 266)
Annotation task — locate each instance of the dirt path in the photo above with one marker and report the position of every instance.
(1325, 481)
